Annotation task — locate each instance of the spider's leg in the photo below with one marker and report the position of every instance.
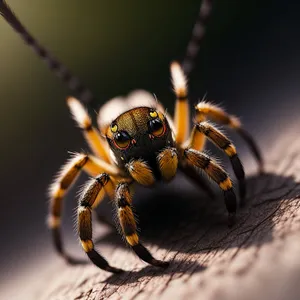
(167, 161)
(87, 202)
(129, 228)
(198, 34)
(91, 134)
(216, 173)
(222, 142)
(141, 172)
(67, 176)
(205, 109)
(182, 110)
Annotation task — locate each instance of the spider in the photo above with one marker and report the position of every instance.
(138, 142)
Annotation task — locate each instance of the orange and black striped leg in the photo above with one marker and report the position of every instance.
(129, 228)
(221, 141)
(167, 162)
(182, 109)
(87, 202)
(216, 173)
(91, 134)
(67, 176)
(205, 109)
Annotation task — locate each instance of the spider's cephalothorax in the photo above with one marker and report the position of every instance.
(138, 142)
(139, 134)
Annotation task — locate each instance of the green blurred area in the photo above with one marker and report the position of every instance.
(113, 46)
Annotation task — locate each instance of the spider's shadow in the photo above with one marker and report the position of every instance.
(182, 218)
(159, 211)
(177, 266)
(179, 217)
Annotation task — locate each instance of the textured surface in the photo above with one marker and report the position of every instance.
(257, 258)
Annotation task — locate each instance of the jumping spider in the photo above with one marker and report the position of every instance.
(138, 141)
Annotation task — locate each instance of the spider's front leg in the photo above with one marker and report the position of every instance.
(66, 177)
(128, 225)
(216, 173)
(86, 203)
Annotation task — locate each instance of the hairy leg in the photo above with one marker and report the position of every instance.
(217, 174)
(129, 228)
(87, 202)
(66, 177)
(222, 142)
(205, 109)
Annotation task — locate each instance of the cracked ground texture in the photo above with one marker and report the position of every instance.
(256, 259)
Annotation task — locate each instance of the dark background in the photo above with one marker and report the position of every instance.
(249, 62)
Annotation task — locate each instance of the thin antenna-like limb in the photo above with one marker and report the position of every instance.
(197, 36)
(61, 71)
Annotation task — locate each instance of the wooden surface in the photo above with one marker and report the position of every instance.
(259, 258)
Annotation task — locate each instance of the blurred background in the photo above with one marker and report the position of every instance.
(249, 62)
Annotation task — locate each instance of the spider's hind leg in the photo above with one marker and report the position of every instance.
(217, 174)
(204, 129)
(182, 109)
(205, 109)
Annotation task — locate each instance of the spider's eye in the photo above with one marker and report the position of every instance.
(122, 139)
(156, 127)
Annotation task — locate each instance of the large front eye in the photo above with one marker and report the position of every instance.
(156, 127)
(122, 139)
